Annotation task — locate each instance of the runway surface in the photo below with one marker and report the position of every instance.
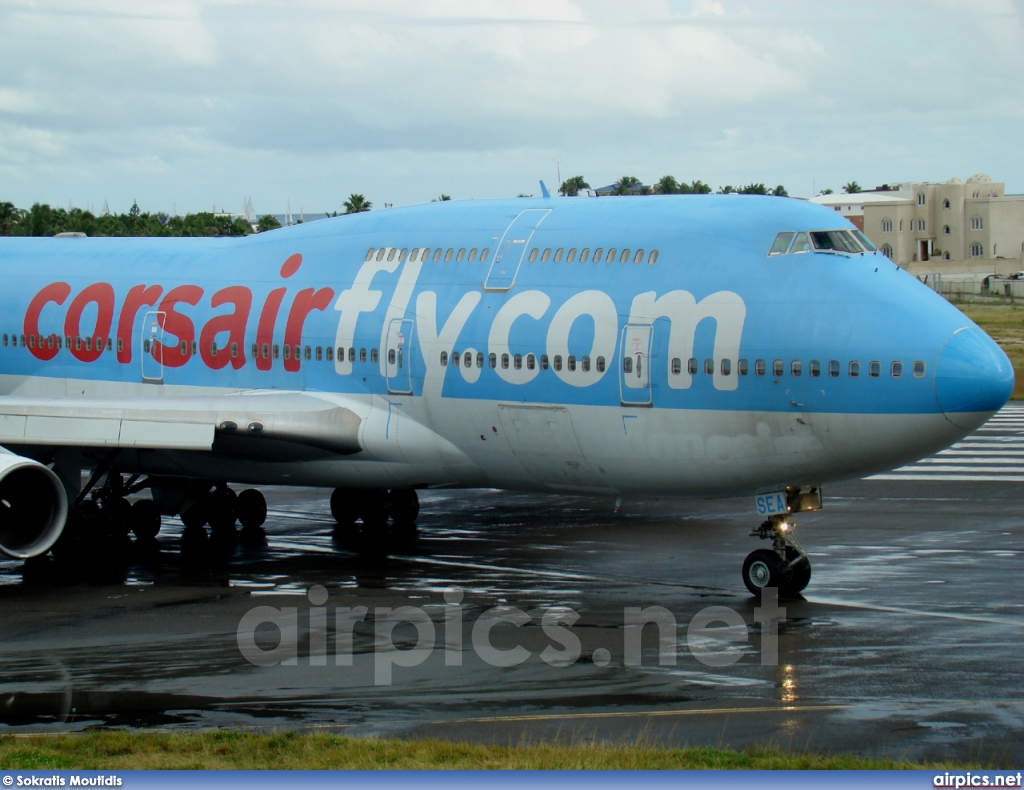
(907, 643)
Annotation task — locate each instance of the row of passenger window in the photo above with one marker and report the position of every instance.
(545, 255)
(693, 367)
(58, 342)
(428, 253)
(468, 359)
(612, 254)
(518, 361)
(796, 368)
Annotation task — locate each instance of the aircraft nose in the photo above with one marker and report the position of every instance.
(973, 378)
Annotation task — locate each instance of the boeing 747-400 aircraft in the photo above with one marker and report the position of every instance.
(685, 346)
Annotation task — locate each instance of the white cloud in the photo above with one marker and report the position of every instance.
(287, 93)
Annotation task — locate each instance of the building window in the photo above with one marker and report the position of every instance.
(920, 224)
(977, 250)
(945, 203)
(920, 198)
(901, 226)
(945, 230)
(976, 223)
(887, 250)
(887, 225)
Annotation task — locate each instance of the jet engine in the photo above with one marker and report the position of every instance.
(33, 506)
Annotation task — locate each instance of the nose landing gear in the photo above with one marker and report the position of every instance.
(784, 566)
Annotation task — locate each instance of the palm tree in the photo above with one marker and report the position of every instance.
(268, 222)
(667, 185)
(626, 185)
(571, 187)
(8, 216)
(357, 204)
(851, 188)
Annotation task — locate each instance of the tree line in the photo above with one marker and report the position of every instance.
(44, 220)
(668, 185)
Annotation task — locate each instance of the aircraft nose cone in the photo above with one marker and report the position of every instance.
(973, 378)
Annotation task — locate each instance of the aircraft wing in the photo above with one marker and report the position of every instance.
(256, 424)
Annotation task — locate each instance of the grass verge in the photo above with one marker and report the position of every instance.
(1004, 321)
(112, 750)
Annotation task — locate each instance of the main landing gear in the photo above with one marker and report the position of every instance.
(375, 522)
(223, 510)
(785, 565)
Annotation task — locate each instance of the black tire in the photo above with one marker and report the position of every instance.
(251, 508)
(145, 519)
(195, 515)
(118, 513)
(404, 506)
(345, 506)
(373, 509)
(222, 508)
(762, 568)
(798, 577)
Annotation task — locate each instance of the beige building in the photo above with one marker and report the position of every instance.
(973, 224)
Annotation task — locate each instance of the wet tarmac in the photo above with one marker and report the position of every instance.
(907, 642)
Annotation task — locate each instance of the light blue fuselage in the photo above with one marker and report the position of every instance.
(667, 394)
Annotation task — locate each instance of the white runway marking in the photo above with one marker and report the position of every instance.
(992, 454)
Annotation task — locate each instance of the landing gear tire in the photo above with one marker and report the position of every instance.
(373, 509)
(195, 515)
(387, 520)
(798, 576)
(404, 506)
(222, 509)
(785, 566)
(251, 508)
(145, 519)
(345, 506)
(762, 568)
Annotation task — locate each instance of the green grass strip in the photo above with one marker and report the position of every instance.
(112, 750)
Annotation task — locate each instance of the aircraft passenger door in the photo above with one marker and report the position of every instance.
(635, 365)
(151, 354)
(397, 356)
(511, 249)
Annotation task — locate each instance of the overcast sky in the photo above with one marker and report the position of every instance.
(183, 104)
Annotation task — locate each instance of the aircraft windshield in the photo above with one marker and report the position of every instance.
(835, 240)
(865, 241)
(845, 241)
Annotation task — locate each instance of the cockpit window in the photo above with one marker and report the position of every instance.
(781, 243)
(848, 242)
(868, 244)
(800, 243)
(834, 240)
